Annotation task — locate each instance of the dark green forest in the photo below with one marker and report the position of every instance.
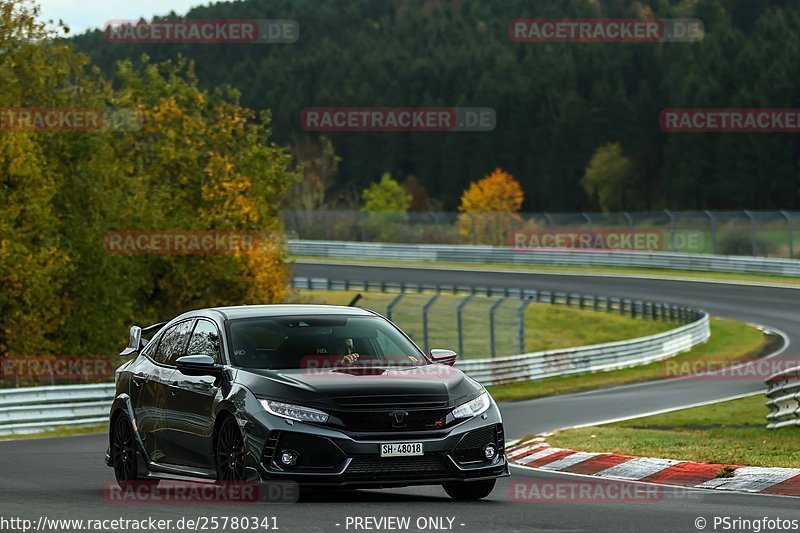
(555, 103)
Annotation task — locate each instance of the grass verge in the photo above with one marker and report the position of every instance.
(728, 433)
(60, 432)
(547, 326)
(730, 341)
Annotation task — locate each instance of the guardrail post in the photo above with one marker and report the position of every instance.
(425, 310)
(671, 227)
(521, 324)
(494, 307)
(752, 232)
(393, 304)
(459, 311)
(789, 233)
(713, 221)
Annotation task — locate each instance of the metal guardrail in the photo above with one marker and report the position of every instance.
(508, 255)
(596, 358)
(35, 409)
(783, 399)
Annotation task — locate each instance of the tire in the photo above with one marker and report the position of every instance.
(469, 490)
(123, 452)
(229, 453)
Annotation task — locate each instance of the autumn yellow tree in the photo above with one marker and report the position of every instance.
(489, 208)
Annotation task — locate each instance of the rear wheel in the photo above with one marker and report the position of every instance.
(230, 452)
(469, 490)
(123, 452)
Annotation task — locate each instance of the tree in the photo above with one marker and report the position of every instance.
(490, 206)
(609, 178)
(386, 204)
(385, 196)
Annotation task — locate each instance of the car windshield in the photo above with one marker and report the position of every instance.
(318, 342)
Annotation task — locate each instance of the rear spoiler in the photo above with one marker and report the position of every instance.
(136, 341)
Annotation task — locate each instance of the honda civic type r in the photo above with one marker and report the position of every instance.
(320, 395)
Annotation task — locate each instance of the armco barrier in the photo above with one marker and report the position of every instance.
(599, 357)
(507, 255)
(35, 409)
(783, 399)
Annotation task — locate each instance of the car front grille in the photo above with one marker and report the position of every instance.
(384, 421)
(398, 468)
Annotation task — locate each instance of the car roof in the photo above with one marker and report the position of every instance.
(255, 311)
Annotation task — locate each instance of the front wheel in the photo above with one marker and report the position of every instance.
(230, 453)
(469, 490)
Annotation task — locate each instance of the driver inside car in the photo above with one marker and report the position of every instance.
(350, 356)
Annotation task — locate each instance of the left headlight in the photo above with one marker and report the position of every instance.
(473, 407)
(294, 412)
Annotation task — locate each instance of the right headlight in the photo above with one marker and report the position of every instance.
(473, 407)
(294, 412)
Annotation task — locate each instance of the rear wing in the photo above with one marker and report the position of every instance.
(136, 340)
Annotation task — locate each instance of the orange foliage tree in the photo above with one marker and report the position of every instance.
(489, 208)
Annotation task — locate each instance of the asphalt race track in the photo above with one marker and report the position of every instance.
(64, 477)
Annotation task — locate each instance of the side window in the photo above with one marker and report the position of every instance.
(205, 341)
(173, 343)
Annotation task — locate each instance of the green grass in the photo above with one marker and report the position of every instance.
(728, 433)
(547, 326)
(547, 269)
(730, 341)
(60, 432)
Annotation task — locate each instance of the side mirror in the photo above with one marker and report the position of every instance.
(198, 365)
(444, 357)
(134, 341)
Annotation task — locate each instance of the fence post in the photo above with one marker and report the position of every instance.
(629, 219)
(425, 310)
(393, 304)
(459, 311)
(474, 230)
(713, 220)
(497, 304)
(789, 233)
(521, 324)
(752, 232)
(671, 227)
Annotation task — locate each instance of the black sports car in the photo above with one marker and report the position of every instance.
(320, 395)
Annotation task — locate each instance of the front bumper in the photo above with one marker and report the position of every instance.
(337, 458)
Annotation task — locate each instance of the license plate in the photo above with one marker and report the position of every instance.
(401, 449)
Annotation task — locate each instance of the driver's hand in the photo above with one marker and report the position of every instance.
(350, 358)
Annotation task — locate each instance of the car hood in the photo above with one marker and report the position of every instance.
(355, 388)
